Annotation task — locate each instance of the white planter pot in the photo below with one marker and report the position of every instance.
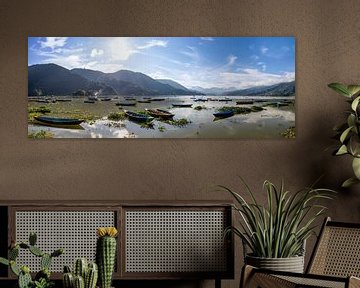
(291, 264)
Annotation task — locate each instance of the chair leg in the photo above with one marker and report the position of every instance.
(217, 283)
(246, 274)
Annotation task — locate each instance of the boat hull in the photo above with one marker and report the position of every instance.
(163, 114)
(138, 117)
(58, 121)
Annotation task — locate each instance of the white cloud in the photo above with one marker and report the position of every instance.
(207, 38)
(121, 48)
(253, 77)
(53, 42)
(231, 60)
(192, 53)
(104, 67)
(96, 52)
(263, 65)
(254, 57)
(153, 43)
(70, 61)
(264, 50)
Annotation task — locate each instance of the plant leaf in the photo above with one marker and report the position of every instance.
(355, 103)
(356, 167)
(353, 90)
(345, 134)
(340, 88)
(349, 182)
(342, 150)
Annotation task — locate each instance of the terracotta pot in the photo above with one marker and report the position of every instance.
(291, 264)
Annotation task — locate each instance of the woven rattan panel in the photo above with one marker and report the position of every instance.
(311, 282)
(338, 253)
(175, 241)
(75, 231)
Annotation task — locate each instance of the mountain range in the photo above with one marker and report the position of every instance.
(52, 79)
(280, 89)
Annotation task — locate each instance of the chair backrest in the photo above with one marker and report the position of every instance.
(337, 251)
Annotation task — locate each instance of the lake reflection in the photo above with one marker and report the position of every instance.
(269, 123)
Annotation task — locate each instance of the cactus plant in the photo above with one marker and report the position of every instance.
(84, 274)
(91, 276)
(24, 280)
(42, 278)
(105, 254)
(79, 282)
(80, 268)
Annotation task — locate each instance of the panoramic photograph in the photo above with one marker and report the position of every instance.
(161, 87)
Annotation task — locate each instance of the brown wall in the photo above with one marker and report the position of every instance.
(327, 50)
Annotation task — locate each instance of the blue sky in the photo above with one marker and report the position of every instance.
(224, 62)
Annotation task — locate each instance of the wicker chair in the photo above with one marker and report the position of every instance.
(334, 263)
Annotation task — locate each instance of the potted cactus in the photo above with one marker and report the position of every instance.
(84, 275)
(106, 254)
(42, 278)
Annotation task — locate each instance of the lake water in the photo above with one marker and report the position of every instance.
(269, 123)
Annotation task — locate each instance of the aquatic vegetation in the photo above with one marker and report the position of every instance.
(147, 125)
(198, 108)
(178, 122)
(41, 109)
(42, 134)
(289, 133)
(117, 116)
(236, 110)
(162, 128)
(257, 108)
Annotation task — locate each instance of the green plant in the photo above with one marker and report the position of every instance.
(279, 229)
(85, 275)
(349, 132)
(42, 278)
(105, 254)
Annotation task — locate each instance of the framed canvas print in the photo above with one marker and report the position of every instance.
(161, 87)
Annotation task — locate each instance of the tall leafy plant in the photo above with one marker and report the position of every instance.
(349, 132)
(279, 229)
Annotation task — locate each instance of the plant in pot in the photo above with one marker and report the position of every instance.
(349, 132)
(42, 278)
(276, 233)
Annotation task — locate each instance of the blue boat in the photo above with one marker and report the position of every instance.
(138, 117)
(58, 121)
(224, 114)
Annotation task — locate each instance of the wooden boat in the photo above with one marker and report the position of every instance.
(63, 100)
(129, 98)
(224, 99)
(157, 99)
(138, 117)
(58, 121)
(126, 104)
(239, 102)
(201, 100)
(158, 113)
(144, 101)
(105, 99)
(181, 105)
(89, 101)
(224, 114)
